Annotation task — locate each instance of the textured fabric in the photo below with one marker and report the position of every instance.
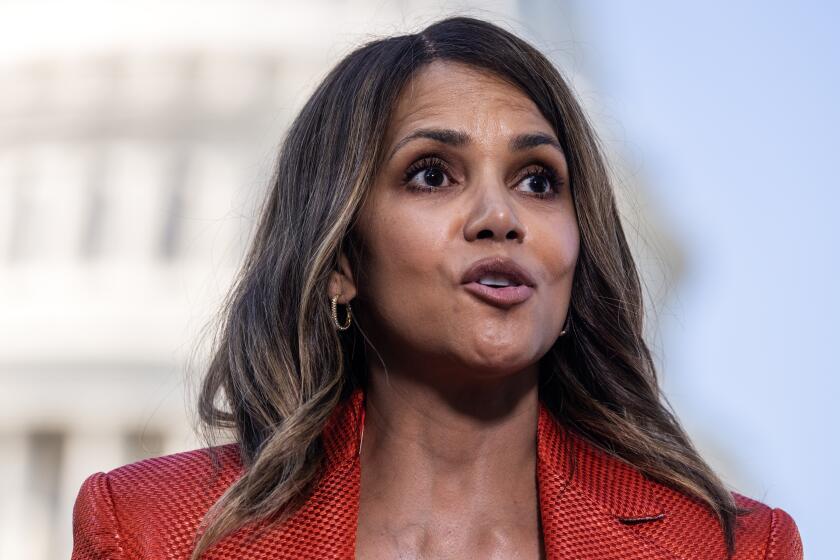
(592, 506)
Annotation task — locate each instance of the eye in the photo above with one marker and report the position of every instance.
(543, 181)
(431, 173)
(426, 174)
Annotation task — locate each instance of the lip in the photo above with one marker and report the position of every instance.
(502, 297)
(503, 266)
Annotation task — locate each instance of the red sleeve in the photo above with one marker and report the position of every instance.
(783, 542)
(96, 534)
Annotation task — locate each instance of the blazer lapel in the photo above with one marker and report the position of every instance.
(330, 527)
(590, 503)
(324, 528)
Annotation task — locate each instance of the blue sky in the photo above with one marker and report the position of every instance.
(729, 113)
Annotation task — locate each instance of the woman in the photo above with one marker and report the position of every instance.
(434, 348)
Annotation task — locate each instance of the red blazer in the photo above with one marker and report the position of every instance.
(602, 510)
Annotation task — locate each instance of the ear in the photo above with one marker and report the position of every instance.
(341, 281)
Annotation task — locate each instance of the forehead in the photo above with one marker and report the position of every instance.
(464, 97)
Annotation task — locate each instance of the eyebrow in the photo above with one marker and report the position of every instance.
(458, 138)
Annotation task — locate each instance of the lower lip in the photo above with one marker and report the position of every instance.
(507, 296)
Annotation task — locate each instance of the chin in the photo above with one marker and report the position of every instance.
(500, 360)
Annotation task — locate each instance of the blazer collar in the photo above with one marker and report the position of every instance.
(590, 503)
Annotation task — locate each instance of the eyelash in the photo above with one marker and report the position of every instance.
(435, 162)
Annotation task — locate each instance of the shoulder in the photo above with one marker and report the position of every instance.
(762, 532)
(189, 474)
(153, 507)
(769, 528)
(678, 522)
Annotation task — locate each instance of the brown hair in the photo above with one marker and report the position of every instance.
(279, 367)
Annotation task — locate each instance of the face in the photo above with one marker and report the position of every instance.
(472, 171)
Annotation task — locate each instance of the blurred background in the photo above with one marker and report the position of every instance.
(137, 138)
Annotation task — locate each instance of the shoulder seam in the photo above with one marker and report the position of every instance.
(109, 496)
(768, 540)
(778, 516)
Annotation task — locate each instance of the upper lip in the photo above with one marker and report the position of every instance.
(498, 266)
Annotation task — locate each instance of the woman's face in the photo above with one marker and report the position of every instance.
(472, 171)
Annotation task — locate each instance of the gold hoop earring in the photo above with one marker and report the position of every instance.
(566, 325)
(348, 319)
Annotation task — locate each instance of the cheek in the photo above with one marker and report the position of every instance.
(559, 255)
(406, 277)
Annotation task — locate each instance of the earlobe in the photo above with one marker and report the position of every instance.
(341, 281)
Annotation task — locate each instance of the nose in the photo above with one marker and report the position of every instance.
(492, 214)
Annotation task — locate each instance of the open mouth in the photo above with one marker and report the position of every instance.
(499, 292)
(499, 281)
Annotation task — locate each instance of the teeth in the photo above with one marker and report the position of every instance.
(495, 281)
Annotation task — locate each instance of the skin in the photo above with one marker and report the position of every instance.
(449, 447)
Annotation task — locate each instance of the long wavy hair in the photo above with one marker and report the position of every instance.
(279, 367)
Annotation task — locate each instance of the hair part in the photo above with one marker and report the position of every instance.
(279, 368)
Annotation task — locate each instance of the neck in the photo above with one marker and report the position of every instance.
(471, 435)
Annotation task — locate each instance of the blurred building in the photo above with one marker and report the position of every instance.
(136, 141)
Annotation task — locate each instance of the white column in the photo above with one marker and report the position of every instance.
(13, 521)
(137, 186)
(211, 220)
(57, 198)
(8, 202)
